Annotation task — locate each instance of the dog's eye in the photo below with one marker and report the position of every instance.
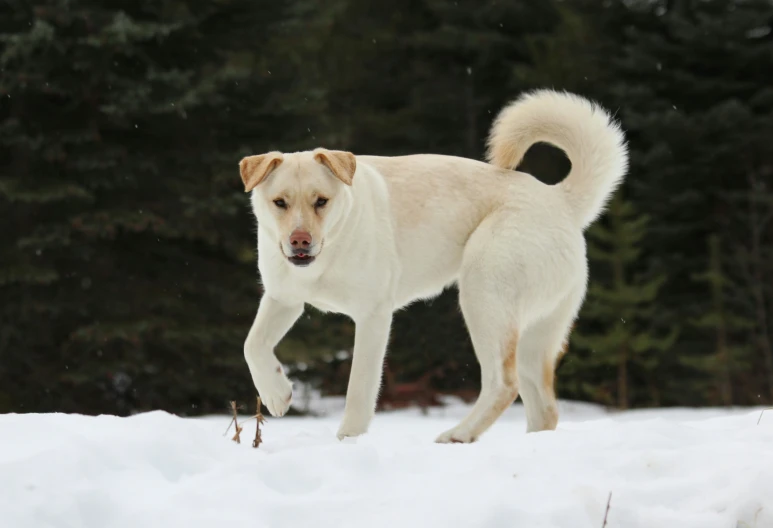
(280, 203)
(320, 202)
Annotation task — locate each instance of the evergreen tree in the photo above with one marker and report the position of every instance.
(616, 322)
(729, 355)
(689, 78)
(125, 284)
(686, 78)
(753, 253)
(462, 60)
(127, 266)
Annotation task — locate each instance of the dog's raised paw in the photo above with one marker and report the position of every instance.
(274, 388)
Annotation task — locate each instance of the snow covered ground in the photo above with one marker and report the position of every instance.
(665, 468)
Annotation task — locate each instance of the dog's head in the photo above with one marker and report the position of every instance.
(300, 198)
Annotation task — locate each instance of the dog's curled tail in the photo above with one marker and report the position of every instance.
(594, 143)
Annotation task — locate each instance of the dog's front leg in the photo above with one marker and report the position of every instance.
(272, 322)
(370, 342)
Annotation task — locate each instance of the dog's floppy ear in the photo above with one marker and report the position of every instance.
(254, 169)
(341, 163)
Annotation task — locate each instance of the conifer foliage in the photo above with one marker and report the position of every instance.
(127, 250)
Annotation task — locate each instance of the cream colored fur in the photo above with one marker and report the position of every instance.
(404, 228)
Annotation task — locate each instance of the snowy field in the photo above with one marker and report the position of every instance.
(665, 469)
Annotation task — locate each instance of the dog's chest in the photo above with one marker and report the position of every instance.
(328, 292)
(328, 297)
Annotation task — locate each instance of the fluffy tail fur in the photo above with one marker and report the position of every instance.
(593, 142)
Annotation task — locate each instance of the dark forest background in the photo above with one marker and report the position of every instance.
(128, 279)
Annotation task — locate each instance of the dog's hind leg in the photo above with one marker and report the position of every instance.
(541, 346)
(495, 334)
(496, 347)
(511, 278)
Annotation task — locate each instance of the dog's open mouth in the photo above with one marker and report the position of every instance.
(301, 259)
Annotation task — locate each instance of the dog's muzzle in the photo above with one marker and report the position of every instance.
(301, 243)
(301, 257)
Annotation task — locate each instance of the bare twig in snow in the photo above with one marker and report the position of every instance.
(236, 438)
(229, 423)
(763, 412)
(259, 419)
(606, 513)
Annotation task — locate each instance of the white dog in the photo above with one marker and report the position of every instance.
(367, 235)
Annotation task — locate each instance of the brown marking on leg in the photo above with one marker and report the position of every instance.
(562, 352)
(548, 376)
(565, 345)
(550, 418)
(509, 374)
(503, 393)
(510, 360)
(550, 414)
(508, 392)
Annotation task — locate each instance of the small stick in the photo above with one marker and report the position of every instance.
(239, 428)
(763, 412)
(606, 513)
(259, 419)
(229, 425)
